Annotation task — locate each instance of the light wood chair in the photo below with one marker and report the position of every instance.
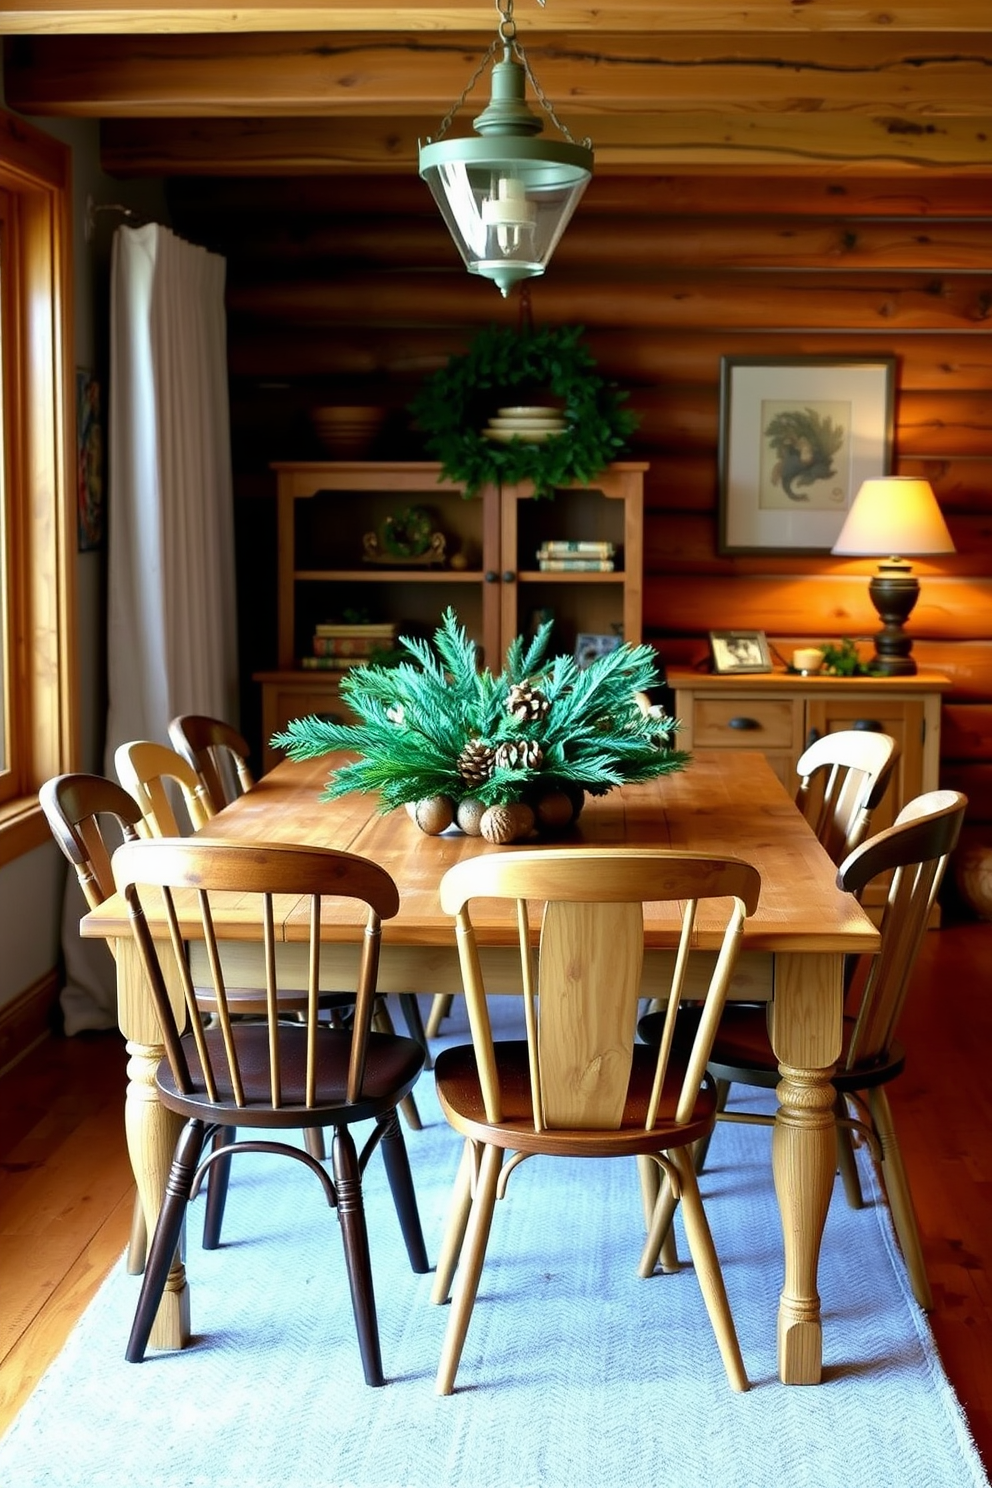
(89, 817)
(148, 770)
(842, 779)
(269, 1076)
(217, 753)
(580, 1085)
(915, 850)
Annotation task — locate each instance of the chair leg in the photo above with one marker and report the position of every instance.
(440, 1008)
(470, 1269)
(351, 1212)
(454, 1230)
(218, 1177)
(647, 1171)
(660, 1240)
(168, 1232)
(137, 1245)
(701, 1148)
(900, 1198)
(846, 1164)
(313, 1141)
(704, 1258)
(397, 1165)
(410, 1008)
(382, 1022)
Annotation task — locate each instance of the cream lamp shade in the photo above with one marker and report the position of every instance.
(892, 517)
(894, 514)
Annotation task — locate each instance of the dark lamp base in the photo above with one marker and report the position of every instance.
(893, 591)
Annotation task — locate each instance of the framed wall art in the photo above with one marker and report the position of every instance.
(797, 438)
(740, 651)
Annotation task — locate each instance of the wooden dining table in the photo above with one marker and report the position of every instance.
(726, 802)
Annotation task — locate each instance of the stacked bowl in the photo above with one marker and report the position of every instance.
(532, 425)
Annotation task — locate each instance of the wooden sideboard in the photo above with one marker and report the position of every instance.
(781, 712)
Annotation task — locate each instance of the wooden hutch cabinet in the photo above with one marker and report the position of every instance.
(489, 574)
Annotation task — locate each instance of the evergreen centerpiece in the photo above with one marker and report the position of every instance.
(502, 754)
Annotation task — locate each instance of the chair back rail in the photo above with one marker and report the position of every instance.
(581, 1007)
(77, 807)
(843, 777)
(218, 754)
(147, 769)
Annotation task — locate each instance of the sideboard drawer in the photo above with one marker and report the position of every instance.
(745, 722)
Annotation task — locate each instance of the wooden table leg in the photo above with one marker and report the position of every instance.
(805, 1026)
(152, 1132)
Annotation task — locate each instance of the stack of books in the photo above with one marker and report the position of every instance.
(576, 557)
(338, 646)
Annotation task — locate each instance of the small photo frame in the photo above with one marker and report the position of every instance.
(797, 438)
(589, 647)
(740, 651)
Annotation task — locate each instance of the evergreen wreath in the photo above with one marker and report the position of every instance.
(506, 366)
(435, 726)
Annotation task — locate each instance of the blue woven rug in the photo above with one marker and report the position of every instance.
(575, 1374)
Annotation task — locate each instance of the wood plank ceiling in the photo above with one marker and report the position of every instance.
(657, 85)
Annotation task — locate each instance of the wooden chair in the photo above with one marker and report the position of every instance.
(79, 808)
(148, 769)
(217, 753)
(842, 778)
(915, 850)
(580, 1085)
(270, 1076)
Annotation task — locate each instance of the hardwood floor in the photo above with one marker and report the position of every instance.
(66, 1192)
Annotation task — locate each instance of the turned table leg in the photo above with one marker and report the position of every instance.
(151, 1131)
(805, 1025)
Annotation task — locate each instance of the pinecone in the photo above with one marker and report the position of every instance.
(518, 754)
(526, 704)
(475, 763)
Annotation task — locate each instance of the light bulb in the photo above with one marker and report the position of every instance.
(510, 213)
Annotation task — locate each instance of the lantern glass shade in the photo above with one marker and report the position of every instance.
(893, 517)
(506, 201)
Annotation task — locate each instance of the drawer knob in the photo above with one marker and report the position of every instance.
(509, 576)
(743, 723)
(491, 576)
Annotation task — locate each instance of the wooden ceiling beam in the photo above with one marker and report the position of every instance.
(629, 143)
(647, 17)
(336, 75)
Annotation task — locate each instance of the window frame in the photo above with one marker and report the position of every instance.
(35, 175)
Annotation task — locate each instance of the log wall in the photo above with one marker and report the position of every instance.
(349, 290)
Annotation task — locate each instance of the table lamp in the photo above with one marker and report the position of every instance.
(893, 514)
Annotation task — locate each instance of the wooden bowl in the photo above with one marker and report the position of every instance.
(347, 432)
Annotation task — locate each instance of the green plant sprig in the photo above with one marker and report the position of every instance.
(503, 366)
(416, 718)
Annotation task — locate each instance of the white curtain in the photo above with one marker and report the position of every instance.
(172, 640)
